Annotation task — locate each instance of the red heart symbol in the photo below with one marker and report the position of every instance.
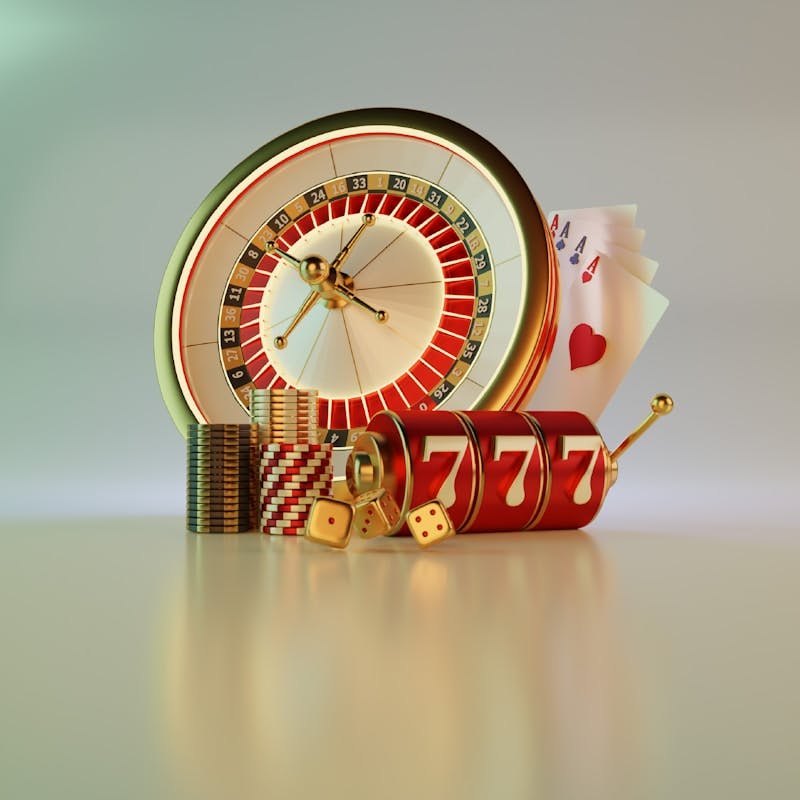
(585, 346)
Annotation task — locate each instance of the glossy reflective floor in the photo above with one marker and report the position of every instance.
(139, 661)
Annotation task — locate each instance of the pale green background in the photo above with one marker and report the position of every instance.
(118, 118)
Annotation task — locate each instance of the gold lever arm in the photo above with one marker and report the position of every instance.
(379, 313)
(660, 406)
(273, 248)
(367, 221)
(308, 304)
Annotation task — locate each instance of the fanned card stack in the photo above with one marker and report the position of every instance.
(608, 307)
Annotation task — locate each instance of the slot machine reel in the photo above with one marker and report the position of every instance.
(492, 470)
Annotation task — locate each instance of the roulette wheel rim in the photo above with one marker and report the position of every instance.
(529, 345)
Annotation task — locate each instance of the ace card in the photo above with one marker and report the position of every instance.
(607, 316)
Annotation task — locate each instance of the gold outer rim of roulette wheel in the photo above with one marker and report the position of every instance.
(532, 341)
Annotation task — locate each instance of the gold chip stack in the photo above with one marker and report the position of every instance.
(219, 459)
(293, 468)
(286, 416)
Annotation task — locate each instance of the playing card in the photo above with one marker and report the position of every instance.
(642, 267)
(576, 236)
(624, 215)
(607, 315)
(577, 232)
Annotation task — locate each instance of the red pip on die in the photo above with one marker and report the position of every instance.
(430, 523)
(376, 514)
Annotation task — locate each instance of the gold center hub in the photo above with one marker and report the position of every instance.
(323, 278)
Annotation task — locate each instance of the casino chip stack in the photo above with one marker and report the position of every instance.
(291, 476)
(218, 460)
(294, 468)
(287, 416)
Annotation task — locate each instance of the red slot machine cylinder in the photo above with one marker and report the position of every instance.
(581, 470)
(493, 470)
(416, 456)
(514, 468)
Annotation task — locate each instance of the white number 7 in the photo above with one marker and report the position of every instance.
(516, 444)
(582, 444)
(446, 444)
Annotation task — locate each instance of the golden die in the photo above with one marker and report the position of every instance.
(430, 523)
(376, 514)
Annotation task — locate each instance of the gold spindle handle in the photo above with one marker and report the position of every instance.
(660, 406)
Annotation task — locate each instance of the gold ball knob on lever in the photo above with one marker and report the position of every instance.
(660, 406)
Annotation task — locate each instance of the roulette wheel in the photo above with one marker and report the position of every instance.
(388, 258)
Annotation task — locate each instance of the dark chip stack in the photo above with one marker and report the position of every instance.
(219, 461)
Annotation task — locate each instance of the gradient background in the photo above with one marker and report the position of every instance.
(117, 119)
(654, 656)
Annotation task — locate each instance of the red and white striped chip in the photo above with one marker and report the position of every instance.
(286, 523)
(282, 448)
(295, 473)
(274, 516)
(283, 531)
(293, 504)
(265, 495)
(282, 517)
(299, 463)
(314, 482)
(295, 469)
(295, 482)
